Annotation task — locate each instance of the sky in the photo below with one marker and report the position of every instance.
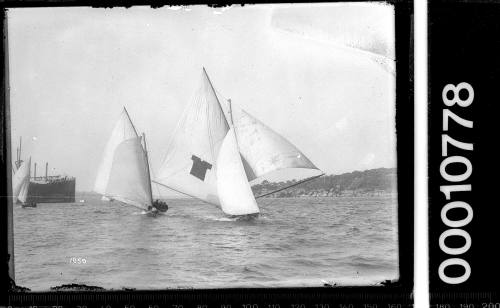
(321, 75)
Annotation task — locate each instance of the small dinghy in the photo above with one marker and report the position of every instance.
(30, 204)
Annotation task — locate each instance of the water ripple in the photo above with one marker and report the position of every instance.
(293, 242)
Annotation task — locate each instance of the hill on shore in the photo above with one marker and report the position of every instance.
(379, 181)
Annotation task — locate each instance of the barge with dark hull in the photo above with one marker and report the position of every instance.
(48, 189)
(52, 189)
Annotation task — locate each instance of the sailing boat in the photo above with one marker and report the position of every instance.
(21, 182)
(218, 148)
(123, 174)
(23, 195)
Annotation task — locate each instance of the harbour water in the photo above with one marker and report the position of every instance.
(294, 242)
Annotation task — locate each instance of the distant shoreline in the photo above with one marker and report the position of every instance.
(373, 182)
(350, 196)
(356, 195)
(380, 182)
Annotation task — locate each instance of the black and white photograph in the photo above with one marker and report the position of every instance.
(198, 147)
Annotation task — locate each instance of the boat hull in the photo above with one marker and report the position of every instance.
(56, 191)
(244, 217)
(28, 205)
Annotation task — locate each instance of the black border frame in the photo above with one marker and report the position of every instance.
(398, 292)
(463, 47)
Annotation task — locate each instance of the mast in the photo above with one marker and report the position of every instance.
(128, 116)
(232, 123)
(46, 170)
(147, 165)
(213, 89)
(35, 172)
(18, 158)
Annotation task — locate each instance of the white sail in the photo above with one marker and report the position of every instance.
(123, 172)
(123, 130)
(21, 177)
(207, 160)
(129, 180)
(23, 194)
(235, 194)
(191, 161)
(262, 149)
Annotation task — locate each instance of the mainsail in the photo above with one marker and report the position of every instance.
(20, 181)
(124, 170)
(190, 165)
(213, 159)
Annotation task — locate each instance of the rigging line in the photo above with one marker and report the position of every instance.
(218, 93)
(152, 173)
(207, 115)
(209, 131)
(128, 116)
(148, 167)
(184, 193)
(128, 202)
(215, 94)
(295, 184)
(269, 201)
(220, 109)
(230, 113)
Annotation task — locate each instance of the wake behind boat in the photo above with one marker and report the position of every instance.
(218, 148)
(123, 174)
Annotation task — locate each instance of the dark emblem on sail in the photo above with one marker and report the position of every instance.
(199, 168)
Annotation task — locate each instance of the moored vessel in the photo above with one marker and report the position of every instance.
(48, 188)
